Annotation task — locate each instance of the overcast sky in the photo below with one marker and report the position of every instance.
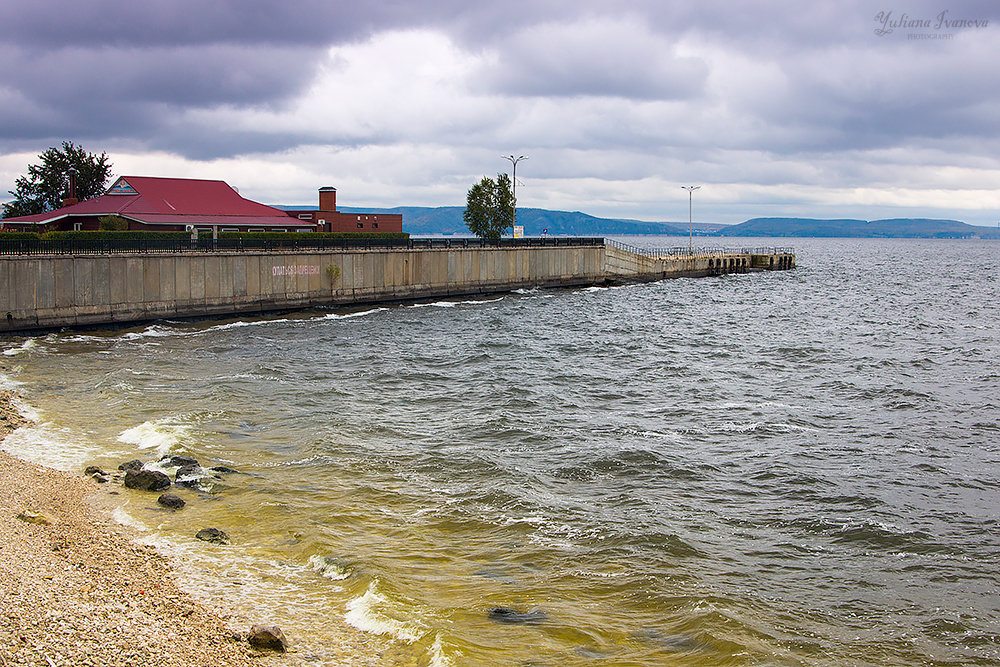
(814, 109)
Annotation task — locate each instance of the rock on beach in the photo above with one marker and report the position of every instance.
(268, 637)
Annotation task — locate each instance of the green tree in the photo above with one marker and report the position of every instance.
(46, 184)
(112, 223)
(489, 207)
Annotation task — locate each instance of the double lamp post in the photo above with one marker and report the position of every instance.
(513, 179)
(690, 189)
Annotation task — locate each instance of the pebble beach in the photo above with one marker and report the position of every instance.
(76, 590)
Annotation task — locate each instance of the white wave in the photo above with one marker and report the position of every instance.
(8, 383)
(672, 436)
(438, 656)
(159, 435)
(453, 304)
(778, 427)
(792, 427)
(152, 331)
(124, 518)
(26, 410)
(82, 338)
(170, 331)
(27, 346)
(478, 301)
(437, 304)
(50, 445)
(240, 324)
(741, 427)
(766, 405)
(330, 568)
(599, 575)
(530, 520)
(345, 316)
(370, 613)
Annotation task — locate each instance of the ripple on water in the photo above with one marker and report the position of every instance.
(792, 468)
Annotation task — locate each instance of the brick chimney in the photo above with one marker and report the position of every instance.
(71, 198)
(328, 199)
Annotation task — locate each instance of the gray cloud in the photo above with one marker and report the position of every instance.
(602, 58)
(756, 92)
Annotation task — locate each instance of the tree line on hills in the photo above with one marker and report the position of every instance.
(447, 220)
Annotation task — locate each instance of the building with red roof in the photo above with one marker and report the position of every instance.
(182, 204)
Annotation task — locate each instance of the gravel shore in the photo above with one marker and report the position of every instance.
(75, 590)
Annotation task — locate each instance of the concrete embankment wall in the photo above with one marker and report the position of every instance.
(40, 292)
(43, 292)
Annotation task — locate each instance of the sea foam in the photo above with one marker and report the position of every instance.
(330, 568)
(50, 445)
(159, 435)
(26, 346)
(369, 612)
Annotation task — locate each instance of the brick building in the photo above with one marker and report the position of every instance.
(328, 219)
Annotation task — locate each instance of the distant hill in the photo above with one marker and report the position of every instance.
(891, 228)
(422, 221)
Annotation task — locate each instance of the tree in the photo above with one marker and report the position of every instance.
(112, 223)
(44, 187)
(489, 208)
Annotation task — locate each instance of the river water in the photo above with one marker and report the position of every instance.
(783, 468)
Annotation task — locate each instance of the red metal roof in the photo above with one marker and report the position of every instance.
(173, 201)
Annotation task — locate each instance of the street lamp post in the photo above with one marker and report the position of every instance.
(690, 189)
(514, 161)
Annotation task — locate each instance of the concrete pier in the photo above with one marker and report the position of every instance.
(52, 291)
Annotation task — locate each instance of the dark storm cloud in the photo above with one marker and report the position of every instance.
(122, 69)
(48, 24)
(107, 68)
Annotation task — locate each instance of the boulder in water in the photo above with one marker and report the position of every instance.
(171, 501)
(187, 471)
(512, 616)
(134, 464)
(189, 476)
(213, 535)
(179, 460)
(146, 480)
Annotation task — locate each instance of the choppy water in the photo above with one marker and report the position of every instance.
(785, 468)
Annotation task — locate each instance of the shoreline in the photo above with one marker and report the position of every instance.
(77, 590)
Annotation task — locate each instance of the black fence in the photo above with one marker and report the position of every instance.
(79, 246)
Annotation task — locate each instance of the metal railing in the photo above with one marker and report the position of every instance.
(77, 246)
(679, 251)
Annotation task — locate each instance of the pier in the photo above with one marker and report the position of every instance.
(55, 287)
